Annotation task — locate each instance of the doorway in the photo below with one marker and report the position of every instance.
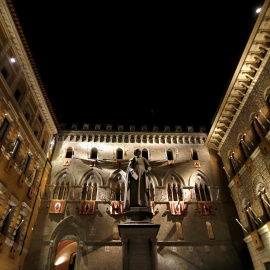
(65, 257)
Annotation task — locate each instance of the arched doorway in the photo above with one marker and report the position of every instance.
(65, 257)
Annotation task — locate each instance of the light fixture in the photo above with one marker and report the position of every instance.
(258, 10)
(12, 60)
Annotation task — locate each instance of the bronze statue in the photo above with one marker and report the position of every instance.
(137, 182)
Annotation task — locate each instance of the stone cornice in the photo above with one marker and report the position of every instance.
(249, 69)
(23, 57)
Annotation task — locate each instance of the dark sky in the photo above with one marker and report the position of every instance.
(159, 63)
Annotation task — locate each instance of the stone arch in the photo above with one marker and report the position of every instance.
(120, 173)
(97, 177)
(168, 177)
(258, 183)
(193, 179)
(117, 184)
(70, 177)
(267, 94)
(153, 179)
(68, 229)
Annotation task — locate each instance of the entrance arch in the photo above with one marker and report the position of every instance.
(67, 233)
(65, 257)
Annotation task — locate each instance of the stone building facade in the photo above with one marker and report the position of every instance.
(240, 137)
(27, 125)
(89, 167)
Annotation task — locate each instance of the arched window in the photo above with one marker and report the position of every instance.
(119, 153)
(6, 220)
(169, 192)
(117, 189)
(194, 154)
(145, 153)
(169, 154)
(258, 128)
(252, 223)
(89, 189)
(201, 190)
(210, 230)
(94, 153)
(68, 157)
(197, 193)
(69, 153)
(265, 203)
(245, 148)
(61, 191)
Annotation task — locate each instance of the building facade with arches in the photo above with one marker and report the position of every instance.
(27, 127)
(83, 201)
(239, 138)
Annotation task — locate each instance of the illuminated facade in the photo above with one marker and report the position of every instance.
(240, 137)
(83, 202)
(80, 173)
(27, 125)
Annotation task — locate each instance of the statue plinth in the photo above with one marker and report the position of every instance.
(138, 215)
(139, 238)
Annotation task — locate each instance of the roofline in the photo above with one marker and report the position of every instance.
(226, 96)
(31, 60)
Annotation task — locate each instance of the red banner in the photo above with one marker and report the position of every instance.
(57, 206)
(67, 162)
(21, 180)
(87, 208)
(13, 251)
(10, 165)
(117, 208)
(206, 208)
(31, 192)
(196, 164)
(177, 208)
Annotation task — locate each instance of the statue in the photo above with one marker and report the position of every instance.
(137, 182)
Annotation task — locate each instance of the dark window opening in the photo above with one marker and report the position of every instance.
(69, 153)
(43, 144)
(119, 154)
(4, 73)
(94, 153)
(145, 153)
(27, 116)
(17, 94)
(195, 155)
(170, 154)
(3, 129)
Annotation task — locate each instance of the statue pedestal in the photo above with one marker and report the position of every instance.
(139, 238)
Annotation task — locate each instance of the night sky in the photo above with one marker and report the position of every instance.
(144, 64)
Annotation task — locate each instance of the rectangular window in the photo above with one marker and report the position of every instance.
(26, 164)
(15, 148)
(3, 129)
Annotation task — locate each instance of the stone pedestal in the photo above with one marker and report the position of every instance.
(139, 238)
